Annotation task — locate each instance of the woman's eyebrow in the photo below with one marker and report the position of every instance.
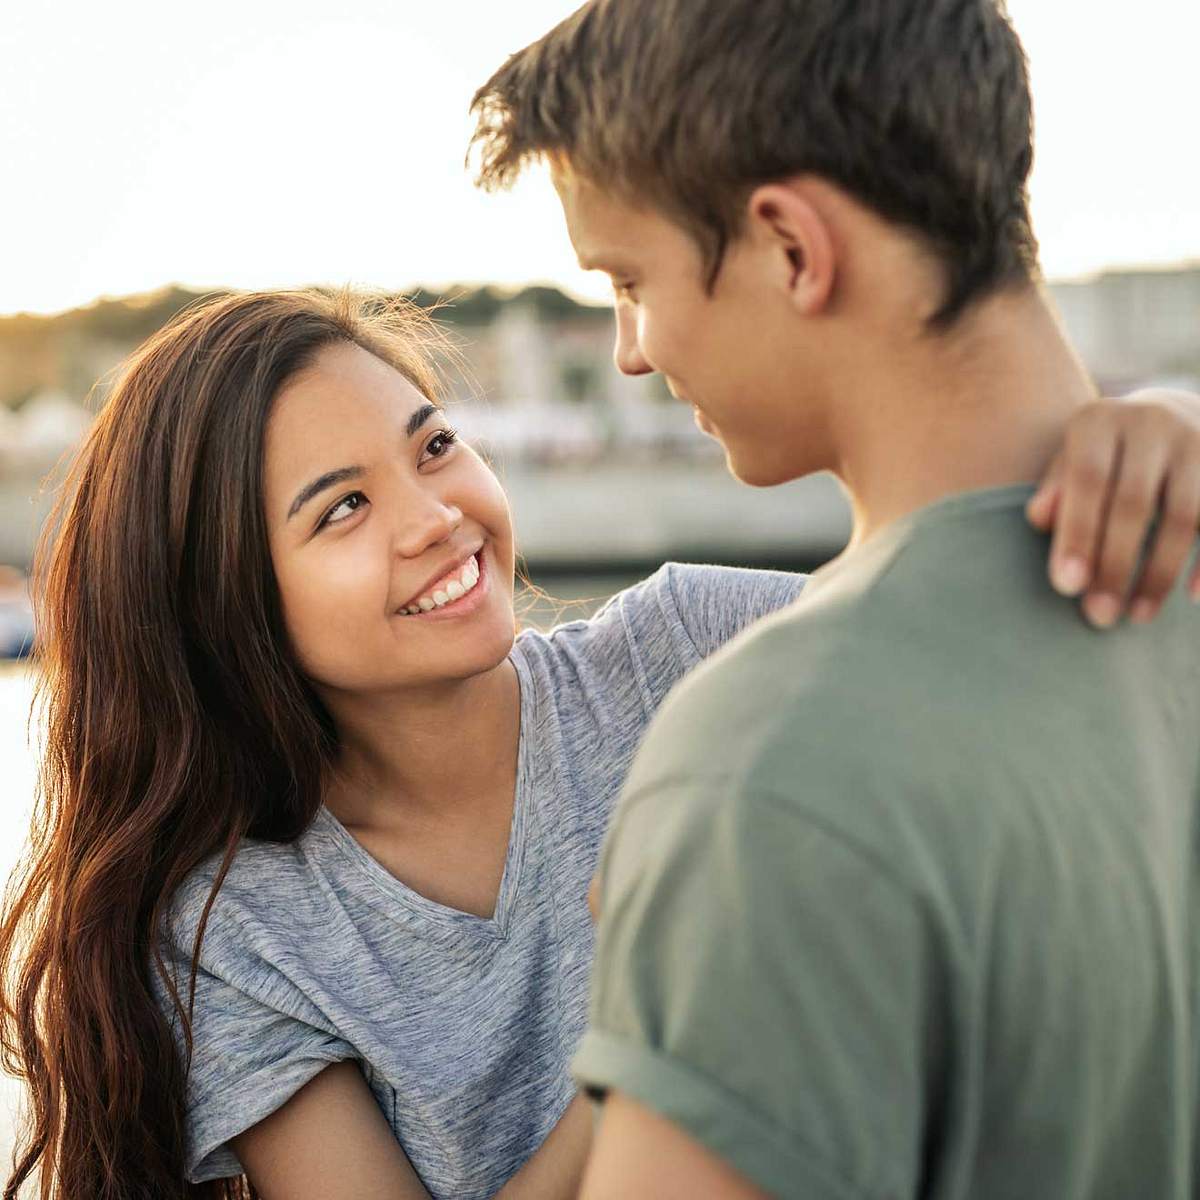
(320, 484)
(332, 478)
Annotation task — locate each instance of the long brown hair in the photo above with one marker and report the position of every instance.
(176, 723)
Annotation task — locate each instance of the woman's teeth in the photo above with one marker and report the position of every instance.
(453, 587)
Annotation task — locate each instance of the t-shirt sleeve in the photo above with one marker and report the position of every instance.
(767, 987)
(644, 639)
(256, 1041)
(716, 603)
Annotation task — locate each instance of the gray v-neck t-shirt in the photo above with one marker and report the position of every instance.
(463, 1026)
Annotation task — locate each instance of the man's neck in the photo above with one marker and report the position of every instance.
(980, 407)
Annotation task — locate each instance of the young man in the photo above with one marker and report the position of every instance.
(899, 900)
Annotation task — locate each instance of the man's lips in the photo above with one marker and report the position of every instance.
(697, 413)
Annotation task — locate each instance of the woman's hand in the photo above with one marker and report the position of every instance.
(1123, 464)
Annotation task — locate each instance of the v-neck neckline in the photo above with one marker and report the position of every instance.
(395, 890)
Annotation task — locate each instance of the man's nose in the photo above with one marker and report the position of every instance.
(627, 352)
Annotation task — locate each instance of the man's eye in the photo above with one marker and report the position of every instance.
(343, 509)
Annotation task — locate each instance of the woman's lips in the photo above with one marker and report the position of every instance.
(462, 605)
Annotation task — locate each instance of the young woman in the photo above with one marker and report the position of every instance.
(306, 893)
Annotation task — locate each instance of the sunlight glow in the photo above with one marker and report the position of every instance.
(272, 143)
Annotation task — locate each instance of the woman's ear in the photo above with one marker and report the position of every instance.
(798, 241)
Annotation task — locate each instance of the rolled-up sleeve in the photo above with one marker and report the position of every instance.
(766, 986)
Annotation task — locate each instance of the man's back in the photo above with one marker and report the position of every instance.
(902, 886)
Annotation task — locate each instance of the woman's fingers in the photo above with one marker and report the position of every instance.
(1127, 470)
(1136, 488)
(1174, 542)
(1083, 470)
(1043, 504)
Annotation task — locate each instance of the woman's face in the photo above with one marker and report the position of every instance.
(391, 541)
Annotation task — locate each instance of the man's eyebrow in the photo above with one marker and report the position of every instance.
(321, 484)
(332, 478)
(587, 263)
(420, 417)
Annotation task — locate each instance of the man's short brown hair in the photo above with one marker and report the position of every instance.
(918, 108)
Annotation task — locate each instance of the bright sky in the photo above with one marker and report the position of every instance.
(258, 143)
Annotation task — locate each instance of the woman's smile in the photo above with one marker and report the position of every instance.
(456, 593)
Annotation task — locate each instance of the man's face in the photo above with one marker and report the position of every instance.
(722, 353)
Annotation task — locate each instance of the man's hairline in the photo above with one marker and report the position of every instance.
(558, 160)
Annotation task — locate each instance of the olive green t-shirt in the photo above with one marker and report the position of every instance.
(901, 898)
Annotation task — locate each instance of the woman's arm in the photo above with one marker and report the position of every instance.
(330, 1140)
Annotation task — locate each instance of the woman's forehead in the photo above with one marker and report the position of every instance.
(344, 382)
(348, 401)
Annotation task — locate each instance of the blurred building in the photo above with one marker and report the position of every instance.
(16, 614)
(35, 441)
(1134, 327)
(600, 467)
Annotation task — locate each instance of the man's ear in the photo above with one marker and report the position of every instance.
(798, 239)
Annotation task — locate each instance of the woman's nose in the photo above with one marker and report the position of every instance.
(627, 353)
(427, 521)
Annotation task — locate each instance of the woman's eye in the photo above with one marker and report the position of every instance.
(343, 509)
(440, 444)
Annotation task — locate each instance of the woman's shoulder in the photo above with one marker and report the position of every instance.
(268, 888)
(698, 605)
(614, 669)
(616, 645)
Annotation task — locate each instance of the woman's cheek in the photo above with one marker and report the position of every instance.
(331, 604)
(489, 503)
